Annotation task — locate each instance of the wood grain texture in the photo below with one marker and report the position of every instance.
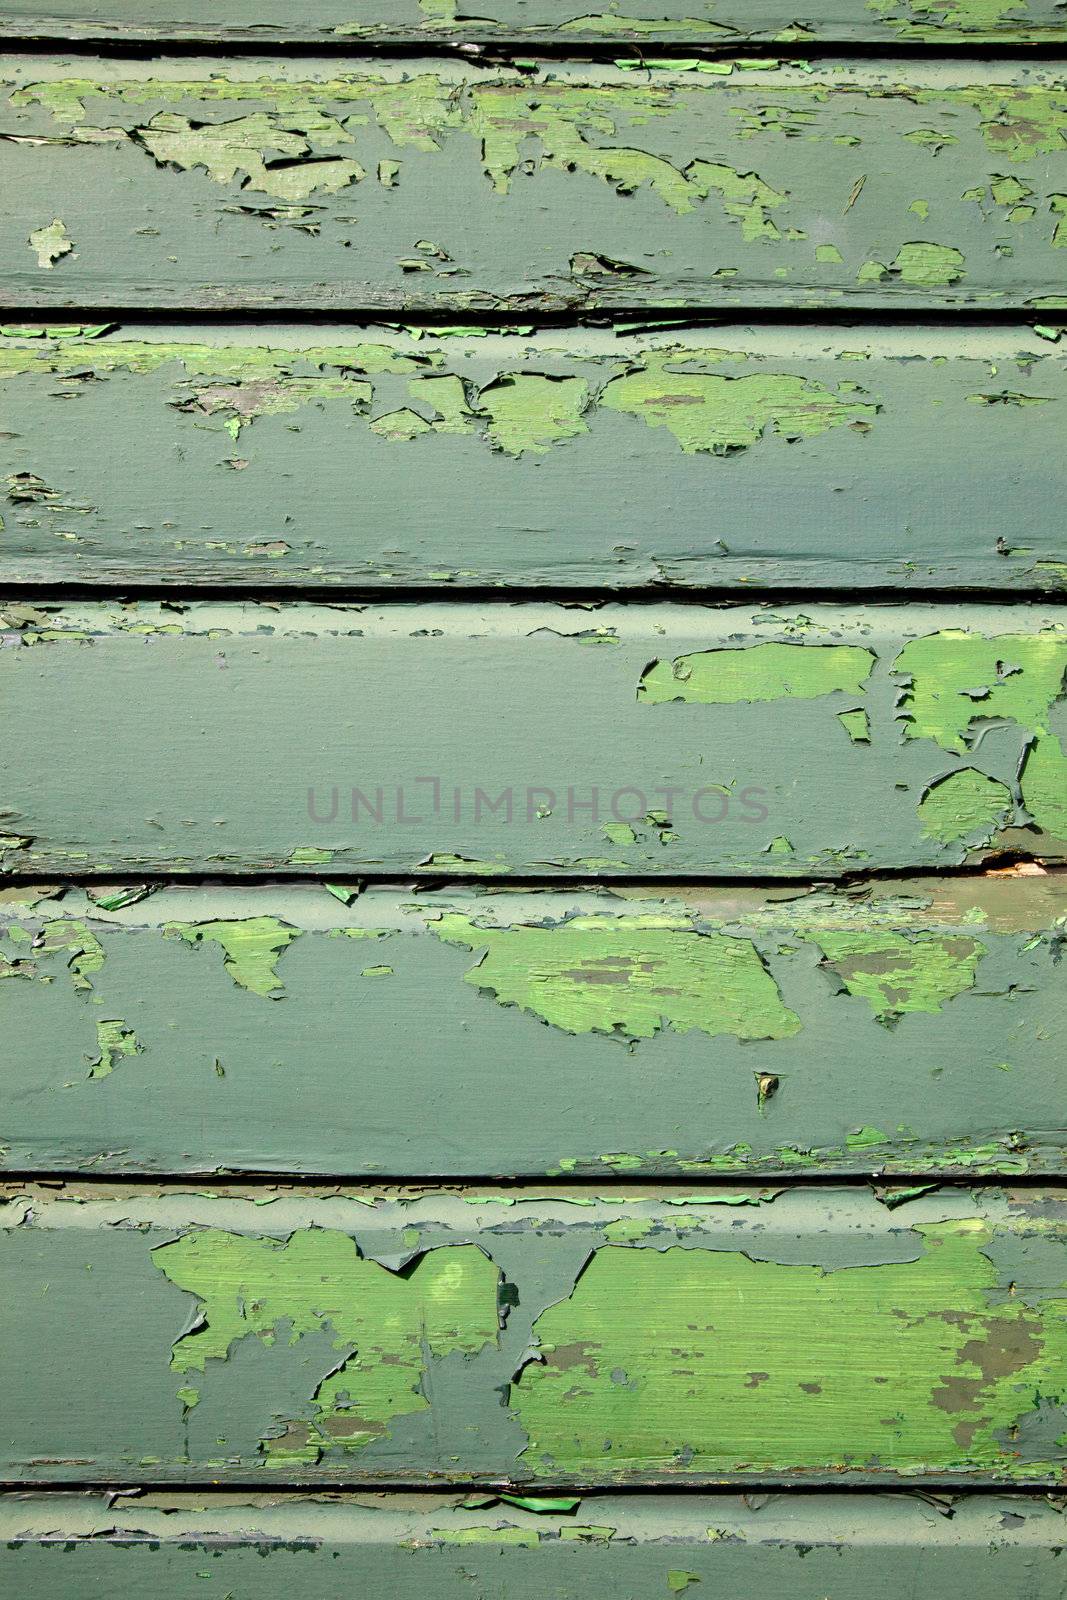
(570, 458)
(902, 1027)
(798, 1336)
(447, 186)
(698, 23)
(455, 739)
(81, 1547)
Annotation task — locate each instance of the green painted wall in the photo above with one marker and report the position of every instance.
(807, 1334)
(902, 1026)
(448, 1547)
(321, 185)
(594, 459)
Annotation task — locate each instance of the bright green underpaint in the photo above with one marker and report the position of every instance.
(251, 949)
(965, 805)
(527, 1538)
(857, 724)
(928, 265)
(116, 1042)
(529, 412)
(760, 672)
(960, 678)
(50, 244)
(707, 412)
(389, 1325)
(897, 974)
(600, 974)
(86, 955)
(1043, 781)
(884, 1364)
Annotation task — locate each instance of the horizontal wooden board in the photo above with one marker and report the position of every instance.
(544, 739)
(566, 458)
(448, 1547)
(902, 1026)
(448, 186)
(697, 23)
(806, 1335)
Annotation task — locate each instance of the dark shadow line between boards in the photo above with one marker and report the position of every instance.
(930, 1489)
(499, 49)
(627, 320)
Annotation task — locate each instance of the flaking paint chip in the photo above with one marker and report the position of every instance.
(51, 243)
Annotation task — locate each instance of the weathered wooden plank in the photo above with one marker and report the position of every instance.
(874, 1547)
(788, 456)
(532, 738)
(698, 23)
(800, 1335)
(901, 1026)
(450, 186)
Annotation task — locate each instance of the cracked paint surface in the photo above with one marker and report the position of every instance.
(708, 786)
(386, 1327)
(547, 1011)
(594, 186)
(725, 431)
(819, 1336)
(598, 974)
(644, 1361)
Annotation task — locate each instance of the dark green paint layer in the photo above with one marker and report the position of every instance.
(449, 187)
(697, 23)
(673, 465)
(900, 1027)
(458, 740)
(803, 1335)
(981, 1547)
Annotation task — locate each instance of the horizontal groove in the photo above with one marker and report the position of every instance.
(561, 1183)
(626, 319)
(183, 590)
(493, 49)
(332, 873)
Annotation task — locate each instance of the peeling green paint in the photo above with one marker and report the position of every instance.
(1043, 781)
(958, 679)
(251, 949)
(857, 724)
(708, 412)
(760, 672)
(528, 411)
(924, 1367)
(965, 805)
(86, 954)
(632, 977)
(899, 974)
(51, 244)
(389, 1326)
(928, 265)
(115, 1042)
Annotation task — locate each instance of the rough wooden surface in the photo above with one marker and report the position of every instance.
(697, 23)
(542, 739)
(905, 1026)
(564, 458)
(807, 1335)
(441, 185)
(450, 1547)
